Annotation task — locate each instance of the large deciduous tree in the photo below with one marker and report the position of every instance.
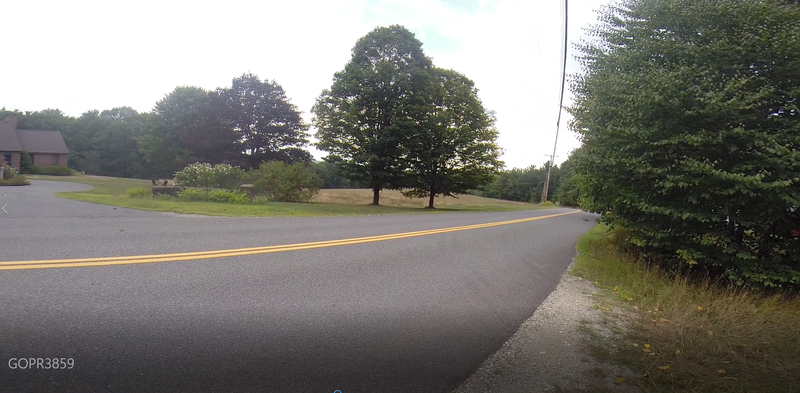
(373, 107)
(455, 150)
(268, 126)
(688, 113)
(174, 116)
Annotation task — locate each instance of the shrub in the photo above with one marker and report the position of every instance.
(287, 183)
(8, 172)
(15, 181)
(56, 170)
(259, 200)
(228, 196)
(205, 175)
(193, 194)
(139, 192)
(694, 151)
(25, 163)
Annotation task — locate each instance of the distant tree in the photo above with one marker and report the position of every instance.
(268, 126)
(373, 107)
(203, 132)
(456, 150)
(689, 117)
(329, 173)
(283, 182)
(25, 163)
(47, 119)
(567, 190)
(160, 142)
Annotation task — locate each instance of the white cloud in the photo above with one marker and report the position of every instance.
(81, 55)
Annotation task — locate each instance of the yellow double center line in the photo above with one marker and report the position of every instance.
(106, 261)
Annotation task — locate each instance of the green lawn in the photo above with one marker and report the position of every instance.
(111, 191)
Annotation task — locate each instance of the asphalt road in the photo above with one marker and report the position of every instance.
(413, 314)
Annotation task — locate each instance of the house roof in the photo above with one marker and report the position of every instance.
(41, 141)
(8, 138)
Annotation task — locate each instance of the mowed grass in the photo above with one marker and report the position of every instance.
(689, 336)
(111, 191)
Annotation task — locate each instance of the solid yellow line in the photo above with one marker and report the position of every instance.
(107, 261)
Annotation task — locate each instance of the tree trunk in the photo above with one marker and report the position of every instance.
(376, 196)
(431, 198)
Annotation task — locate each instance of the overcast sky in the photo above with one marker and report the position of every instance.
(80, 55)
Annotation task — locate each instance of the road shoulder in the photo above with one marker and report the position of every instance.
(549, 351)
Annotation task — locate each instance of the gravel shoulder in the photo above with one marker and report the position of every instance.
(550, 351)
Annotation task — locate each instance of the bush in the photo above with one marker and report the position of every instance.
(694, 151)
(259, 200)
(25, 163)
(215, 195)
(139, 192)
(56, 170)
(15, 181)
(228, 196)
(193, 194)
(286, 183)
(208, 176)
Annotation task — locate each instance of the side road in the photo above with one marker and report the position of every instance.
(548, 353)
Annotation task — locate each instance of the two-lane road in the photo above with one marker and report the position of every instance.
(415, 303)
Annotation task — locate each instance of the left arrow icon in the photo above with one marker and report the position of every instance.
(4, 208)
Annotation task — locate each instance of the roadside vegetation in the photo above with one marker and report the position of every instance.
(10, 178)
(687, 332)
(690, 126)
(137, 194)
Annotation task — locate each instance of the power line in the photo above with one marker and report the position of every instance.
(560, 105)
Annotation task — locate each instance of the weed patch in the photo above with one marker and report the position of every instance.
(692, 335)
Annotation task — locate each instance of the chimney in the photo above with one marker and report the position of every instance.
(12, 119)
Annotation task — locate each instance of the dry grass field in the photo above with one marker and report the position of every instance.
(395, 198)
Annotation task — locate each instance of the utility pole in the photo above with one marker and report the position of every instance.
(560, 105)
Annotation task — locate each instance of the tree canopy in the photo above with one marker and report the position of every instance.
(455, 151)
(373, 107)
(393, 120)
(267, 125)
(688, 114)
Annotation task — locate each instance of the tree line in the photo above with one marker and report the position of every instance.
(245, 124)
(390, 120)
(527, 184)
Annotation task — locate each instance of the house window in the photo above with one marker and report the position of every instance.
(55, 159)
(7, 159)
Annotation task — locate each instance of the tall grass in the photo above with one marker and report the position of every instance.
(694, 335)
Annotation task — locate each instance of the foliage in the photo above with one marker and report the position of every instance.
(695, 326)
(55, 170)
(373, 107)
(566, 184)
(168, 137)
(25, 163)
(266, 125)
(522, 185)
(8, 171)
(331, 177)
(103, 143)
(228, 196)
(209, 176)
(193, 194)
(139, 192)
(287, 183)
(15, 181)
(688, 113)
(456, 150)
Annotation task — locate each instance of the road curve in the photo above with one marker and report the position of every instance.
(416, 313)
